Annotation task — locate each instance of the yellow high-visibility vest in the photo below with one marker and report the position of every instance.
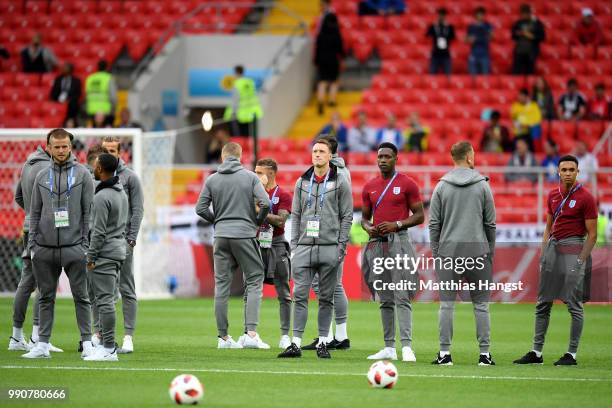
(97, 86)
(248, 103)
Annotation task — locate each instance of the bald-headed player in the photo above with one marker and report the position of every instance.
(127, 288)
(391, 204)
(569, 238)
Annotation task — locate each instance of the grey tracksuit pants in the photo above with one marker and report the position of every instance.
(47, 266)
(309, 261)
(340, 299)
(104, 285)
(27, 285)
(127, 289)
(244, 253)
(480, 303)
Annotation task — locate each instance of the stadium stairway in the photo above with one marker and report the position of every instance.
(308, 10)
(309, 123)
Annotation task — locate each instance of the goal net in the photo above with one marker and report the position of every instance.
(149, 154)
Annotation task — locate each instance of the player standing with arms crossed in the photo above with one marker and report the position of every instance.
(388, 201)
(572, 215)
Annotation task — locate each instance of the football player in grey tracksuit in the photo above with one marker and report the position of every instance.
(127, 288)
(36, 162)
(322, 214)
(240, 205)
(107, 249)
(59, 223)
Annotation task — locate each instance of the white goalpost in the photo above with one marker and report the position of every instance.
(149, 154)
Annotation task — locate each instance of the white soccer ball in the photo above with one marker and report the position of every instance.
(382, 374)
(186, 389)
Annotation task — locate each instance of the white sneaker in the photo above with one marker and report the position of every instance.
(19, 344)
(388, 353)
(254, 342)
(38, 351)
(241, 340)
(96, 340)
(101, 354)
(228, 344)
(88, 349)
(284, 342)
(408, 355)
(127, 347)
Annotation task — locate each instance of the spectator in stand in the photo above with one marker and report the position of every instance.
(527, 118)
(213, 151)
(479, 36)
(361, 138)
(67, 88)
(381, 7)
(125, 119)
(329, 51)
(528, 32)
(587, 162)
(36, 58)
(336, 128)
(599, 105)
(101, 93)
(572, 104)
(4, 54)
(441, 34)
(99, 121)
(416, 134)
(543, 96)
(588, 31)
(496, 137)
(551, 161)
(390, 133)
(522, 158)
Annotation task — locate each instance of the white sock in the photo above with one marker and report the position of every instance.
(43, 346)
(537, 353)
(297, 341)
(444, 353)
(341, 332)
(573, 355)
(322, 339)
(485, 354)
(34, 334)
(330, 333)
(127, 337)
(17, 333)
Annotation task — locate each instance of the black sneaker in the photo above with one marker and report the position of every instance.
(311, 346)
(80, 348)
(293, 351)
(446, 360)
(530, 358)
(485, 360)
(566, 359)
(339, 345)
(322, 351)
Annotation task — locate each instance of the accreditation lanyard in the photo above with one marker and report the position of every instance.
(70, 183)
(272, 199)
(560, 208)
(322, 195)
(384, 192)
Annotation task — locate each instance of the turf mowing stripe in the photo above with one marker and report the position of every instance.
(213, 370)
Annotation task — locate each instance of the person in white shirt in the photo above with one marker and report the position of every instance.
(361, 138)
(586, 161)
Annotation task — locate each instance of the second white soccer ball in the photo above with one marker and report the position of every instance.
(186, 389)
(382, 374)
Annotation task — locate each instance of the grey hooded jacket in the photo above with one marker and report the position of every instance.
(42, 221)
(233, 192)
(336, 216)
(37, 161)
(109, 216)
(342, 169)
(462, 215)
(133, 189)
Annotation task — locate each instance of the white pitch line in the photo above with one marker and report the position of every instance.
(215, 370)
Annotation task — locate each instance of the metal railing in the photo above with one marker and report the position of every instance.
(178, 26)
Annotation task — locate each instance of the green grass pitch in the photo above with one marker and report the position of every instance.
(179, 336)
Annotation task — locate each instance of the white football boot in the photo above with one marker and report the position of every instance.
(228, 344)
(19, 344)
(127, 347)
(254, 342)
(102, 354)
(41, 350)
(388, 353)
(285, 341)
(88, 349)
(408, 355)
